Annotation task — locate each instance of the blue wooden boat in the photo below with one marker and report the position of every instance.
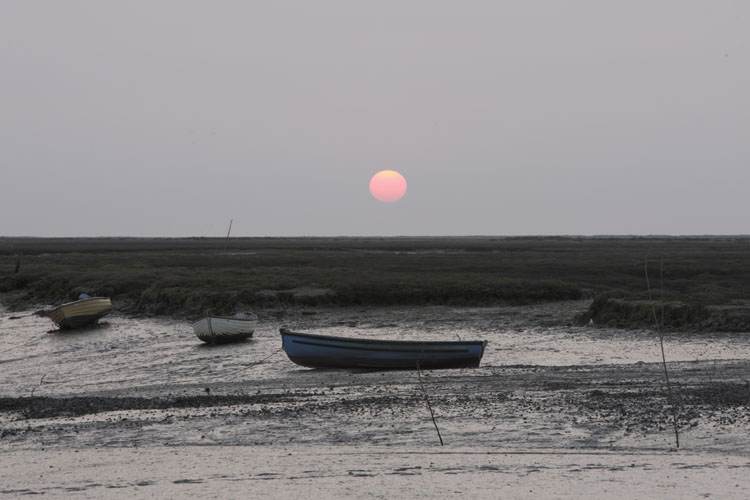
(323, 351)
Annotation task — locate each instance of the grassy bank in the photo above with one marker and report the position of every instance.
(186, 276)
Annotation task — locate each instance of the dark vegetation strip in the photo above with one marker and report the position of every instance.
(48, 407)
(184, 277)
(716, 395)
(52, 407)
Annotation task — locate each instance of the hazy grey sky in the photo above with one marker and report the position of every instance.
(169, 118)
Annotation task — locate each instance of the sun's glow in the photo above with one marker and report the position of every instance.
(388, 186)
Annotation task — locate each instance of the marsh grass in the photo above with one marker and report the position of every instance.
(187, 276)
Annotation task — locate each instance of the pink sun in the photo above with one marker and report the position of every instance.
(388, 186)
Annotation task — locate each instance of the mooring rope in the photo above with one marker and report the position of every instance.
(29, 342)
(252, 365)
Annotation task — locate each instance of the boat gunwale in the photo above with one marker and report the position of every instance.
(384, 342)
(210, 316)
(77, 301)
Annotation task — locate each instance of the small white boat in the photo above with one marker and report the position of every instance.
(80, 312)
(223, 329)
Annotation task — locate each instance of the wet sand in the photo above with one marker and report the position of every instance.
(366, 472)
(140, 407)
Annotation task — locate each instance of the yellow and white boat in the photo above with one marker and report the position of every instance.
(81, 312)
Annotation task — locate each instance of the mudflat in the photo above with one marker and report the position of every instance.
(138, 406)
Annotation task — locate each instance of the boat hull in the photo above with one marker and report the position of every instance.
(81, 312)
(322, 351)
(222, 330)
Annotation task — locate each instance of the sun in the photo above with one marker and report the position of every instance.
(388, 186)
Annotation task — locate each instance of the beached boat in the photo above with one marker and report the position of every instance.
(223, 329)
(80, 312)
(322, 351)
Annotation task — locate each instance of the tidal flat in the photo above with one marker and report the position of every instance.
(139, 406)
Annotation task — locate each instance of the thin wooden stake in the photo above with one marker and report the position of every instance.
(661, 343)
(229, 231)
(18, 262)
(429, 407)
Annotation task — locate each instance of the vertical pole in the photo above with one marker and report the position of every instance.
(229, 231)
(429, 407)
(663, 357)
